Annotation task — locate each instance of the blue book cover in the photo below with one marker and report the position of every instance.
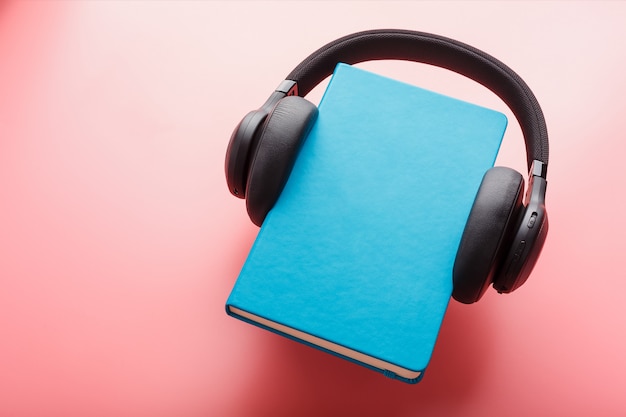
(356, 256)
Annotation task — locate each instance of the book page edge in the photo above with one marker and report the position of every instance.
(330, 346)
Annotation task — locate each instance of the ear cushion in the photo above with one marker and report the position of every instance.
(489, 227)
(282, 135)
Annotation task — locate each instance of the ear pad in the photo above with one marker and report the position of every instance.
(489, 227)
(282, 135)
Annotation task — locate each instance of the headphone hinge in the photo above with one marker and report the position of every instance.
(538, 169)
(537, 183)
(288, 87)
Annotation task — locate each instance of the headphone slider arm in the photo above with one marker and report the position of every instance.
(288, 87)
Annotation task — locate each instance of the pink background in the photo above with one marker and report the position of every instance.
(119, 241)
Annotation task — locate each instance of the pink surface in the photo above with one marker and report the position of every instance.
(119, 241)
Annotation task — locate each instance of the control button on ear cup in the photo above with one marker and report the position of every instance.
(279, 142)
(526, 244)
(492, 220)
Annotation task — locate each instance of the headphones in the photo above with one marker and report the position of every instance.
(505, 231)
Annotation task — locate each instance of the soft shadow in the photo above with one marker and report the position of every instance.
(296, 380)
(5, 6)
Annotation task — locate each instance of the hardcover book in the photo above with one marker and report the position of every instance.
(356, 256)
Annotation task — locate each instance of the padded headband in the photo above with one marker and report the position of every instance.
(439, 51)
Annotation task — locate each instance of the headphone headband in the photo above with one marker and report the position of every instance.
(504, 232)
(441, 52)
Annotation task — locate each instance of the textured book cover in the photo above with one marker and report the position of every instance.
(356, 256)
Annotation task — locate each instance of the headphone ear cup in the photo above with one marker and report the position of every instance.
(282, 135)
(488, 231)
(239, 150)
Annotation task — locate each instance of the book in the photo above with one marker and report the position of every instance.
(356, 256)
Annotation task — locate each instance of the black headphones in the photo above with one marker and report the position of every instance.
(504, 233)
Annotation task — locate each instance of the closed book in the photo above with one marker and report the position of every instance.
(356, 256)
